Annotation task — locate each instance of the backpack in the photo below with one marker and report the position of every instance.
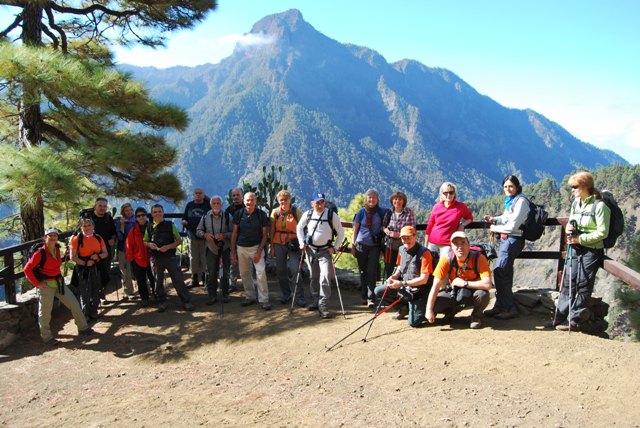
(616, 221)
(329, 220)
(533, 226)
(43, 258)
(81, 238)
(294, 211)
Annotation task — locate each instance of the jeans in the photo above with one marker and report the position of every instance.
(508, 250)
(213, 267)
(417, 306)
(141, 275)
(368, 257)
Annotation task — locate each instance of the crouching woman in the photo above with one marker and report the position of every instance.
(46, 276)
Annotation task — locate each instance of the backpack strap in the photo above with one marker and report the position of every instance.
(472, 253)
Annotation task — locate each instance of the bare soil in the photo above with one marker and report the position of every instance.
(250, 367)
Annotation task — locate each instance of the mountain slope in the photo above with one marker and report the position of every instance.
(340, 118)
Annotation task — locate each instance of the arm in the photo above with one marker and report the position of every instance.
(31, 264)
(263, 243)
(356, 228)
(602, 219)
(433, 295)
(185, 217)
(337, 225)
(510, 222)
(234, 239)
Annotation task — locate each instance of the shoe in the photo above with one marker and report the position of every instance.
(402, 314)
(507, 315)
(125, 298)
(188, 307)
(552, 324)
(365, 302)
(162, 307)
(225, 299)
(476, 323)
(301, 303)
(312, 306)
(493, 312)
(266, 306)
(86, 332)
(211, 301)
(105, 302)
(144, 303)
(52, 342)
(325, 314)
(371, 304)
(248, 302)
(449, 314)
(568, 326)
(285, 300)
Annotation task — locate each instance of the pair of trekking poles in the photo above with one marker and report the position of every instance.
(567, 261)
(304, 254)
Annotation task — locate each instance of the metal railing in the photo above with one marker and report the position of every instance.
(9, 276)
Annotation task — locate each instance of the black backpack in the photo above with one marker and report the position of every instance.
(43, 258)
(533, 226)
(616, 221)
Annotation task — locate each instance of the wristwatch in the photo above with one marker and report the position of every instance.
(465, 284)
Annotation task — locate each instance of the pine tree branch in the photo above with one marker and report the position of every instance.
(52, 24)
(50, 129)
(52, 36)
(12, 26)
(93, 8)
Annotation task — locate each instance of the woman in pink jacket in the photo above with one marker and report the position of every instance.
(447, 216)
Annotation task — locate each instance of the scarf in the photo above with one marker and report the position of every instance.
(370, 212)
(130, 220)
(508, 201)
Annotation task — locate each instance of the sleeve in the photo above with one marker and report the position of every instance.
(358, 217)
(185, 215)
(510, 222)
(432, 219)
(129, 244)
(426, 265)
(302, 223)
(113, 232)
(103, 245)
(31, 264)
(442, 269)
(73, 244)
(337, 225)
(200, 230)
(483, 267)
(466, 212)
(146, 236)
(119, 234)
(265, 219)
(411, 220)
(176, 234)
(602, 220)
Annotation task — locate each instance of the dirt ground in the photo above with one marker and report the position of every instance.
(255, 368)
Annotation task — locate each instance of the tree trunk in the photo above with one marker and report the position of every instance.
(30, 125)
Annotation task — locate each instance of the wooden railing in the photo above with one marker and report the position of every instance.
(9, 276)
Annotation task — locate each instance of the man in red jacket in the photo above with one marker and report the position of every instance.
(46, 276)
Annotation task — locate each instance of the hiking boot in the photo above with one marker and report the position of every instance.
(552, 324)
(312, 306)
(402, 314)
(493, 312)
(225, 299)
(507, 315)
(194, 282)
(188, 307)
(248, 302)
(144, 303)
(285, 300)
(449, 314)
(325, 314)
(301, 303)
(162, 307)
(86, 332)
(476, 323)
(266, 306)
(568, 326)
(211, 301)
(52, 342)
(371, 303)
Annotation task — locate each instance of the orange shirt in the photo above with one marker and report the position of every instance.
(426, 262)
(90, 246)
(468, 274)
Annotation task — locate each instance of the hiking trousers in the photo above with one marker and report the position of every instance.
(46, 296)
(170, 262)
(321, 267)
(508, 250)
(287, 263)
(584, 266)
(245, 261)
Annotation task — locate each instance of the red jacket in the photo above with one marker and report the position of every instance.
(51, 267)
(135, 249)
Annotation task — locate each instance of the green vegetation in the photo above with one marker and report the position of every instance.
(68, 119)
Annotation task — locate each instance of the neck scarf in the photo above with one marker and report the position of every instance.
(370, 212)
(508, 201)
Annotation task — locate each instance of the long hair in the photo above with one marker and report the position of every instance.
(585, 179)
(515, 181)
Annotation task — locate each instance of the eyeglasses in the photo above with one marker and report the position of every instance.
(448, 193)
(141, 215)
(574, 187)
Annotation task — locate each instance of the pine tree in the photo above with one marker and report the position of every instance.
(68, 117)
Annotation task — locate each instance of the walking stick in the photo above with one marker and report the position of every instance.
(295, 288)
(377, 309)
(567, 260)
(221, 274)
(335, 274)
(364, 324)
(339, 253)
(570, 250)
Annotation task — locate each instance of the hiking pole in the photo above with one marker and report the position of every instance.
(335, 274)
(339, 252)
(219, 279)
(295, 288)
(377, 309)
(570, 288)
(364, 324)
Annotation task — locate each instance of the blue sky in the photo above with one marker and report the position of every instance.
(575, 62)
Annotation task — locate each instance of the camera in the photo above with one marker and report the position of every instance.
(293, 245)
(86, 213)
(218, 243)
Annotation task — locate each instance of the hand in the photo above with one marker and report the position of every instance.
(457, 282)
(209, 237)
(257, 256)
(89, 263)
(353, 250)
(431, 317)
(573, 240)
(394, 284)
(488, 219)
(185, 222)
(122, 221)
(153, 246)
(234, 259)
(163, 249)
(331, 250)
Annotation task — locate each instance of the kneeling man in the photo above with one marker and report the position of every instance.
(468, 276)
(409, 278)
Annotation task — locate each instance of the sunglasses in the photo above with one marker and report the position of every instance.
(141, 215)
(448, 193)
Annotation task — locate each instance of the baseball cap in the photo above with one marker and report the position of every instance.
(318, 196)
(51, 230)
(458, 234)
(408, 231)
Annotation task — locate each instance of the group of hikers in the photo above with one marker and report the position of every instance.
(443, 276)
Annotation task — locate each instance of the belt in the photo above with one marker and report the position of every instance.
(504, 236)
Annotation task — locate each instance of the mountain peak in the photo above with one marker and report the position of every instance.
(279, 24)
